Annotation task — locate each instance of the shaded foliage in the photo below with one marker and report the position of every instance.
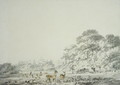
(8, 69)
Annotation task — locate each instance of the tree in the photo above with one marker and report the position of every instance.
(95, 49)
(113, 60)
(111, 42)
(65, 57)
(89, 45)
(7, 68)
(69, 54)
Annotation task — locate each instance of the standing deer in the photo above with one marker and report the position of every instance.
(62, 76)
(51, 77)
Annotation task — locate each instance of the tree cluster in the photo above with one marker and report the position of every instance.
(98, 51)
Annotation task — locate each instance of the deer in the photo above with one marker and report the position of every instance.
(51, 77)
(62, 76)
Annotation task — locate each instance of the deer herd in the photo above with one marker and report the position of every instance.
(47, 77)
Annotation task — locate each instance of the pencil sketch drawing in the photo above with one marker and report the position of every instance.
(59, 42)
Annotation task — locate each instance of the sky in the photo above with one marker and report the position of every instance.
(41, 29)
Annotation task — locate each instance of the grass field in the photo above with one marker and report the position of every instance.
(70, 79)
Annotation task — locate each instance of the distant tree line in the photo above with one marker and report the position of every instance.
(7, 69)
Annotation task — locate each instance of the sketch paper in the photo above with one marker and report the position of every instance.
(59, 42)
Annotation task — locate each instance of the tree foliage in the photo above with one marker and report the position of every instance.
(95, 49)
(7, 68)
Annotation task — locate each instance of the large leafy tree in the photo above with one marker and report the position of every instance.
(96, 49)
(89, 45)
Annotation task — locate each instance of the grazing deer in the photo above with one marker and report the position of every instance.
(62, 76)
(49, 77)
